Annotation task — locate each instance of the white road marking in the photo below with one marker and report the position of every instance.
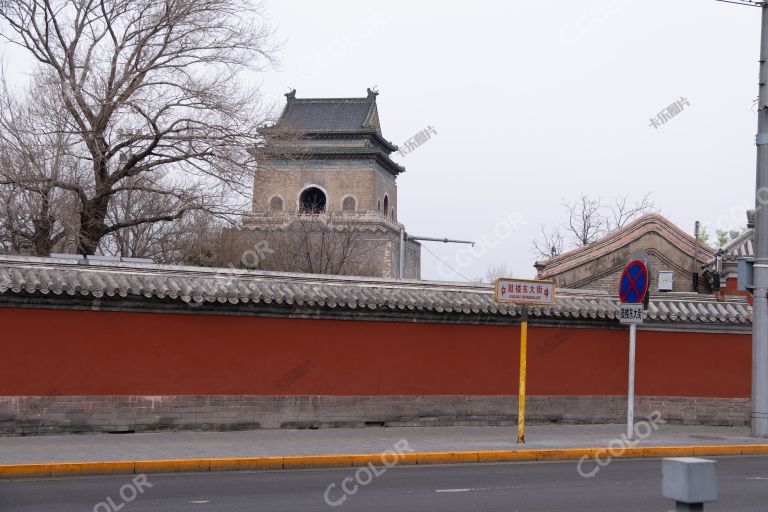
(200, 502)
(455, 490)
(758, 478)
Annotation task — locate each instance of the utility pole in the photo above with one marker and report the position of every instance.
(760, 302)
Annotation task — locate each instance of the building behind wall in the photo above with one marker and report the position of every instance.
(334, 170)
(598, 266)
(721, 271)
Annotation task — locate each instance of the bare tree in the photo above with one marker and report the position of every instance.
(152, 96)
(585, 220)
(36, 216)
(589, 219)
(207, 241)
(335, 243)
(551, 243)
(621, 211)
(331, 243)
(496, 271)
(164, 241)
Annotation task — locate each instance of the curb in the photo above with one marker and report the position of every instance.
(60, 469)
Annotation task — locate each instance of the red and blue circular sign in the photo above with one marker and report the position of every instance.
(634, 282)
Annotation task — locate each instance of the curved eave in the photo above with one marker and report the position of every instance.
(368, 133)
(350, 154)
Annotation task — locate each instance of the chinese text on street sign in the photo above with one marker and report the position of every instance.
(524, 291)
(632, 313)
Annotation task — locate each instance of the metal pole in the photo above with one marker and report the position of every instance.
(695, 280)
(444, 240)
(760, 302)
(688, 507)
(631, 390)
(523, 370)
(401, 274)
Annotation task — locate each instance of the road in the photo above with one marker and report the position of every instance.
(626, 485)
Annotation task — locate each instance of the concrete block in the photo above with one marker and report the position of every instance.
(689, 480)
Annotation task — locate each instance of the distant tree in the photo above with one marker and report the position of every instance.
(209, 242)
(496, 271)
(622, 212)
(587, 220)
(320, 242)
(551, 243)
(722, 238)
(703, 236)
(37, 214)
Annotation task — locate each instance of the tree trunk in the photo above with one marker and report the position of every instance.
(42, 234)
(92, 226)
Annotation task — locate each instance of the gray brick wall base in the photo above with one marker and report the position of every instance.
(81, 414)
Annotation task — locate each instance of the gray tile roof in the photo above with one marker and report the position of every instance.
(329, 115)
(98, 279)
(740, 246)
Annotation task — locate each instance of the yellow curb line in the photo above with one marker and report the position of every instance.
(58, 469)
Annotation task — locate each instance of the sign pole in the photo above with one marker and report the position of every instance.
(631, 391)
(523, 369)
(523, 293)
(633, 292)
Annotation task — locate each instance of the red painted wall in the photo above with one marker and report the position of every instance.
(732, 288)
(56, 352)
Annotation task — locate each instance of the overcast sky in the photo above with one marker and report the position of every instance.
(534, 102)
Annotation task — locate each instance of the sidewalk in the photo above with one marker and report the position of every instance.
(188, 446)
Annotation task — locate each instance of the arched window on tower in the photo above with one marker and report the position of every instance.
(312, 200)
(348, 204)
(276, 204)
(386, 205)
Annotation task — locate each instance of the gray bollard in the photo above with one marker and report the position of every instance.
(689, 481)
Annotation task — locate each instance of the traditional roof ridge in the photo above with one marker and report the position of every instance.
(741, 246)
(325, 119)
(370, 96)
(49, 278)
(330, 100)
(637, 227)
(77, 261)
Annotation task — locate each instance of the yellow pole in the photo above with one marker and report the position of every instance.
(521, 389)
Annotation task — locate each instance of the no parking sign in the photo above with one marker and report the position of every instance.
(634, 282)
(633, 290)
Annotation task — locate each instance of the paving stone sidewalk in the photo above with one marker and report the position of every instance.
(189, 445)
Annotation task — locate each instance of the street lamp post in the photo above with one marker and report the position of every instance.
(759, 293)
(760, 302)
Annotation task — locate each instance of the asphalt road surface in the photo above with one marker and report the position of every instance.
(623, 485)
